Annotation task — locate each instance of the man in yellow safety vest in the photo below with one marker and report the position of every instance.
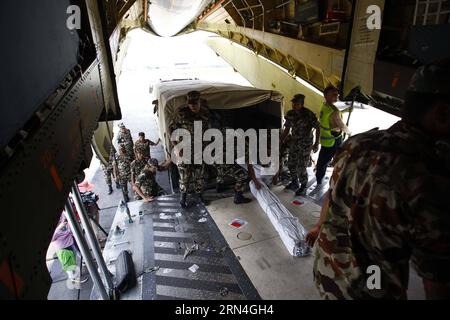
(331, 129)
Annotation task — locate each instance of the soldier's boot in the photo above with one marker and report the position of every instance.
(240, 199)
(125, 195)
(201, 199)
(183, 200)
(110, 189)
(301, 191)
(293, 185)
(220, 187)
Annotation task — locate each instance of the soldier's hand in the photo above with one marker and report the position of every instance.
(312, 235)
(149, 199)
(258, 184)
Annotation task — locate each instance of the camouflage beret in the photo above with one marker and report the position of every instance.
(432, 78)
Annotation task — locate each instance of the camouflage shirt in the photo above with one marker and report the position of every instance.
(185, 119)
(146, 181)
(111, 161)
(124, 138)
(301, 122)
(136, 167)
(387, 206)
(123, 166)
(143, 147)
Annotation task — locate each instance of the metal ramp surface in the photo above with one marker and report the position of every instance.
(158, 238)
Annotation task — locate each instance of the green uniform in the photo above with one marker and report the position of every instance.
(387, 206)
(124, 168)
(146, 181)
(108, 169)
(301, 122)
(235, 171)
(143, 147)
(232, 170)
(125, 139)
(136, 167)
(191, 172)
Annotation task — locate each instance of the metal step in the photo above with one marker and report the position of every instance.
(158, 238)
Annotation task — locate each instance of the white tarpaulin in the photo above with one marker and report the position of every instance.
(171, 95)
(291, 232)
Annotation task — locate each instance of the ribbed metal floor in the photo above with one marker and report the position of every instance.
(158, 239)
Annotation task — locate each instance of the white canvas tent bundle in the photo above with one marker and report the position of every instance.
(291, 232)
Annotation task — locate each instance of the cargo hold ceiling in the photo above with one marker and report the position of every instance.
(169, 17)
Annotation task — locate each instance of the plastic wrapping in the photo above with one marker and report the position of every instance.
(291, 232)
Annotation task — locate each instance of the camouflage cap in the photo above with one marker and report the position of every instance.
(298, 98)
(433, 78)
(193, 96)
(121, 125)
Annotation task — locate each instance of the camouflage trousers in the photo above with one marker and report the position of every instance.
(234, 171)
(123, 181)
(189, 172)
(152, 190)
(107, 173)
(298, 160)
(129, 151)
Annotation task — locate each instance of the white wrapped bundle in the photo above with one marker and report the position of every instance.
(291, 232)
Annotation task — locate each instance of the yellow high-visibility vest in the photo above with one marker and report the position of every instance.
(326, 138)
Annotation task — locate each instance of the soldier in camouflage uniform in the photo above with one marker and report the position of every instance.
(184, 119)
(146, 185)
(108, 170)
(124, 138)
(123, 171)
(136, 168)
(301, 122)
(234, 171)
(387, 202)
(142, 145)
